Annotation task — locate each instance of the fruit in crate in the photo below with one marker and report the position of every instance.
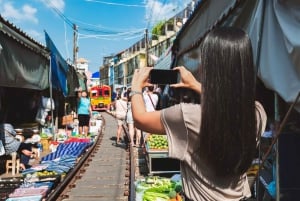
(157, 142)
(45, 173)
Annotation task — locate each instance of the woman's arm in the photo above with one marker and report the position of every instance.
(150, 121)
(146, 121)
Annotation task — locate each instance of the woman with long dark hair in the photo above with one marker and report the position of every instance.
(215, 141)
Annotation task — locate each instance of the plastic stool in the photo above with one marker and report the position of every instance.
(13, 164)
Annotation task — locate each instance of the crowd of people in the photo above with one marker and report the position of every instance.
(123, 114)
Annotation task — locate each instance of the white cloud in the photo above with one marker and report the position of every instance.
(157, 11)
(29, 13)
(56, 4)
(25, 13)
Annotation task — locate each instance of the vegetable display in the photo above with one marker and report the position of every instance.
(158, 142)
(155, 188)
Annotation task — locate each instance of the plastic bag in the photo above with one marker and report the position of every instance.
(48, 103)
(2, 150)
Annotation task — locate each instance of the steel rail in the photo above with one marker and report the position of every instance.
(61, 190)
(132, 168)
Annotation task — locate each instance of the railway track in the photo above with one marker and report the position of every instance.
(104, 172)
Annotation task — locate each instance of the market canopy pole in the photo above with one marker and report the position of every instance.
(277, 133)
(146, 47)
(52, 127)
(75, 48)
(51, 98)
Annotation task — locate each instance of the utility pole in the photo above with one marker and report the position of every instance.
(75, 48)
(147, 48)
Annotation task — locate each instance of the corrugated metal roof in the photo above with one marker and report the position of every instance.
(17, 34)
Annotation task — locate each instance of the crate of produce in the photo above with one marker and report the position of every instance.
(157, 156)
(157, 143)
(158, 188)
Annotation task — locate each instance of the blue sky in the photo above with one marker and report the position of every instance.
(105, 27)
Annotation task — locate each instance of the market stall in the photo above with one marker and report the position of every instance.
(157, 156)
(159, 188)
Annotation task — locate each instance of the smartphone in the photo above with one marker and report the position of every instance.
(162, 76)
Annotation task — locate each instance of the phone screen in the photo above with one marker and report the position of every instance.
(158, 76)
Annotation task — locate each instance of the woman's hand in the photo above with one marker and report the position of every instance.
(187, 80)
(141, 79)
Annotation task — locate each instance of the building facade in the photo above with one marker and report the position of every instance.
(117, 70)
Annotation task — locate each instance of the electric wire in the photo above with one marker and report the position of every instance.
(116, 4)
(84, 36)
(150, 14)
(69, 22)
(66, 41)
(101, 27)
(113, 33)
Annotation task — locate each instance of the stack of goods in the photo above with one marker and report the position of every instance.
(37, 192)
(53, 167)
(74, 149)
(61, 165)
(155, 188)
(31, 190)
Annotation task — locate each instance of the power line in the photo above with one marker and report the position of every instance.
(110, 37)
(69, 22)
(109, 32)
(115, 4)
(101, 32)
(98, 27)
(150, 16)
(66, 44)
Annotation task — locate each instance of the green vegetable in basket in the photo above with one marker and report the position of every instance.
(178, 188)
(153, 196)
(172, 194)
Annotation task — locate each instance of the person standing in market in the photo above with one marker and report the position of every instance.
(84, 111)
(113, 100)
(120, 112)
(215, 141)
(129, 118)
(151, 101)
(133, 131)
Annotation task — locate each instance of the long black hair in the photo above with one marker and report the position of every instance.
(228, 125)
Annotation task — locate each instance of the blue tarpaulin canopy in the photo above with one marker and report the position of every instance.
(59, 67)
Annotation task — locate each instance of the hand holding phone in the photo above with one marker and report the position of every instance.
(162, 76)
